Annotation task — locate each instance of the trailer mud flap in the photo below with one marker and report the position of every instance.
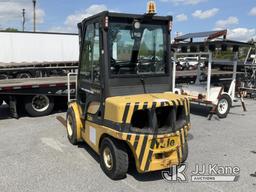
(13, 107)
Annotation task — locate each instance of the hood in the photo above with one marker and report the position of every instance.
(120, 109)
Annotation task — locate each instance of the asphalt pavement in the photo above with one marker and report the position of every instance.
(36, 156)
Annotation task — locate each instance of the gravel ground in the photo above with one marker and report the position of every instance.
(35, 155)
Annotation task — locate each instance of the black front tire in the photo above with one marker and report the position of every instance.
(120, 160)
(33, 111)
(223, 106)
(71, 126)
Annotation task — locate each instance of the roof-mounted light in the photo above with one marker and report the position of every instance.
(151, 8)
(170, 25)
(106, 22)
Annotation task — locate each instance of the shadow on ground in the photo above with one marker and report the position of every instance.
(152, 176)
(5, 111)
(132, 171)
(200, 110)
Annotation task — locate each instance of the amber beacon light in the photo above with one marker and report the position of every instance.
(151, 7)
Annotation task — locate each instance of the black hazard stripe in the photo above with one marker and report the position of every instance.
(136, 106)
(181, 137)
(143, 147)
(188, 107)
(136, 142)
(167, 103)
(126, 111)
(179, 103)
(173, 103)
(145, 140)
(181, 140)
(129, 137)
(185, 134)
(145, 105)
(152, 145)
(185, 107)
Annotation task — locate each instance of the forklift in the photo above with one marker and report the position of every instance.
(125, 109)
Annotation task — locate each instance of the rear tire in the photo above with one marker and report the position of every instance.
(39, 105)
(114, 159)
(71, 126)
(223, 106)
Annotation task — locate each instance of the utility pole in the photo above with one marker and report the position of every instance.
(23, 20)
(34, 14)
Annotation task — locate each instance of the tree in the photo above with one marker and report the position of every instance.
(9, 29)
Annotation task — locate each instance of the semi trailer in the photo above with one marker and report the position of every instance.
(41, 54)
(37, 96)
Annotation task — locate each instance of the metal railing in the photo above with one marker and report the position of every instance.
(73, 74)
(199, 54)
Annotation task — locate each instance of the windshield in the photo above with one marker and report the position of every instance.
(137, 51)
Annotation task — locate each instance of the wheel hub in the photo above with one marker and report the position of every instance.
(40, 103)
(108, 159)
(223, 106)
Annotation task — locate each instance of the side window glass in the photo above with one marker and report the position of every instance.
(96, 54)
(90, 59)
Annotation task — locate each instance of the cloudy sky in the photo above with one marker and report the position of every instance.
(238, 16)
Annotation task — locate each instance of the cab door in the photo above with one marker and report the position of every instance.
(89, 89)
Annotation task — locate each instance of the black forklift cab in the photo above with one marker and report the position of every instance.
(123, 54)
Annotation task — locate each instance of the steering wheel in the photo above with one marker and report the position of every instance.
(114, 66)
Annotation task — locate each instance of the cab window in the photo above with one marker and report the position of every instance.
(90, 59)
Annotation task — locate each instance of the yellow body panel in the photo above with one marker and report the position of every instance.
(79, 124)
(140, 146)
(151, 152)
(117, 104)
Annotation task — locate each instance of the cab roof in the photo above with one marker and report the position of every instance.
(127, 15)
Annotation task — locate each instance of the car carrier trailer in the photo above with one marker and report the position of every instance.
(203, 91)
(36, 96)
(248, 86)
(40, 54)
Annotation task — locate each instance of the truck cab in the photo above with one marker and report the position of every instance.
(125, 110)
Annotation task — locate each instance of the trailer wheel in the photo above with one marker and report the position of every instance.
(39, 105)
(113, 159)
(3, 76)
(71, 126)
(223, 106)
(23, 76)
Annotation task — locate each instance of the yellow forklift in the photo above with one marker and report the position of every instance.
(124, 108)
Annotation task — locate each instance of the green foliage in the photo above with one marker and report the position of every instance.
(9, 29)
